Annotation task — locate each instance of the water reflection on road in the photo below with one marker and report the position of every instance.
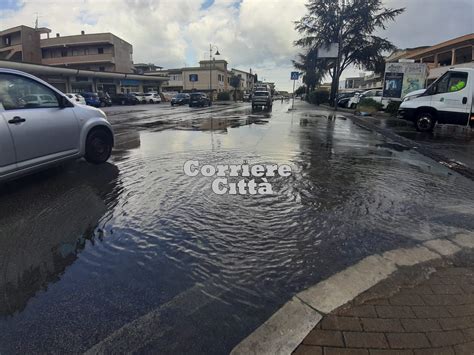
(135, 255)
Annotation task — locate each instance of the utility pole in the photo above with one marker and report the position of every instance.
(210, 71)
(338, 61)
(210, 67)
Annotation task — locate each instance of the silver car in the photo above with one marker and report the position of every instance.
(40, 127)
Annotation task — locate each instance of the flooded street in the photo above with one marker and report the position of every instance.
(134, 255)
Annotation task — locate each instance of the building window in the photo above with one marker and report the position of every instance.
(100, 50)
(7, 40)
(86, 51)
(101, 68)
(63, 52)
(75, 52)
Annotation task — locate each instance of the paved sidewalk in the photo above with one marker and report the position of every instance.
(431, 315)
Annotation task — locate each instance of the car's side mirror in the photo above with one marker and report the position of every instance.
(64, 102)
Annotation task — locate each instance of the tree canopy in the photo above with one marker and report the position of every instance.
(353, 24)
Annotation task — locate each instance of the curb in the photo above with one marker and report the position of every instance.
(286, 329)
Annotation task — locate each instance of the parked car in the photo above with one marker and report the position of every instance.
(104, 99)
(375, 95)
(92, 98)
(37, 100)
(448, 100)
(199, 99)
(152, 98)
(140, 96)
(262, 99)
(124, 99)
(246, 98)
(41, 133)
(76, 98)
(180, 99)
(344, 98)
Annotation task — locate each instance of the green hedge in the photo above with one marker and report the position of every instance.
(392, 107)
(223, 96)
(369, 105)
(318, 97)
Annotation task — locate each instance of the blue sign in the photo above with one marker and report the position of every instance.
(295, 75)
(193, 77)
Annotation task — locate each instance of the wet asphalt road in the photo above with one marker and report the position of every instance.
(136, 256)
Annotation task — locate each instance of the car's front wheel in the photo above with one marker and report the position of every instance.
(425, 122)
(98, 146)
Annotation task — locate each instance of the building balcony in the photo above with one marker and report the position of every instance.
(80, 59)
(8, 52)
(77, 40)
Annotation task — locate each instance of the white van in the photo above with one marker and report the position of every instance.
(448, 100)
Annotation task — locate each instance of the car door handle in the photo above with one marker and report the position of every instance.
(464, 100)
(16, 120)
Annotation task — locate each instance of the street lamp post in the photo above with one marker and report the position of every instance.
(210, 67)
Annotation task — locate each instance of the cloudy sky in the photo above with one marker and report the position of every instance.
(255, 34)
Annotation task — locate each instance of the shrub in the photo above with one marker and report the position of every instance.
(318, 97)
(369, 105)
(392, 107)
(223, 96)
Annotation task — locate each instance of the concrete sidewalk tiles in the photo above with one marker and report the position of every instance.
(434, 316)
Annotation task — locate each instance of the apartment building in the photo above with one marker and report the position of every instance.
(95, 51)
(456, 52)
(247, 79)
(22, 44)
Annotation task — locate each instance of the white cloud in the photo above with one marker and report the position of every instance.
(255, 34)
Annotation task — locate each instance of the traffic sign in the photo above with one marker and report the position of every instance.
(295, 75)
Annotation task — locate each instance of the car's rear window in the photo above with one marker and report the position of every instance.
(261, 93)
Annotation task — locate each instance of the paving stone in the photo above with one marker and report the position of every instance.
(365, 340)
(378, 301)
(418, 290)
(469, 334)
(406, 300)
(390, 352)
(435, 351)
(341, 323)
(431, 311)
(420, 325)
(462, 310)
(407, 340)
(324, 338)
(345, 351)
(464, 349)
(441, 300)
(445, 338)
(447, 289)
(456, 323)
(358, 311)
(395, 312)
(381, 325)
(308, 350)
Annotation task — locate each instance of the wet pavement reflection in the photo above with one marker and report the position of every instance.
(136, 256)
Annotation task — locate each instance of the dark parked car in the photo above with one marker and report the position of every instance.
(180, 99)
(199, 99)
(104, 99)
(92, 98)
(125, 99)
